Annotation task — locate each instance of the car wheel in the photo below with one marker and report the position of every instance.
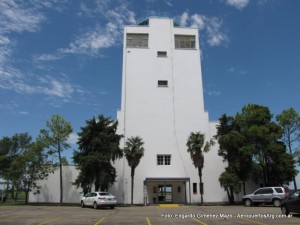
(82, 204)
(284, 210)
(248, 202)
(276, 202)
(95, 205)
(112, 206)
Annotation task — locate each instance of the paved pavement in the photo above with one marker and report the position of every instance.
(149, 215)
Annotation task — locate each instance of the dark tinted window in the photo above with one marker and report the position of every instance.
(162, 83)
(268, 191)
(195, 188)
(259, 192)
(278, 190)
(295, 194)
(104, 194)
(264, 191)
(161, 54)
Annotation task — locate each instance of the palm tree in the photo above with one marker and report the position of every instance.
(133, 151)
(196, 148)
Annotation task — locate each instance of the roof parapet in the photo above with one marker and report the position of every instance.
(144, 20)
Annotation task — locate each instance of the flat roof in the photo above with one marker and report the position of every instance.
(167, 179)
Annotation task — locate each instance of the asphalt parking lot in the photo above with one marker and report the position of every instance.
(149, 215)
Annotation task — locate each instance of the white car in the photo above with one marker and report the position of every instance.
(99, 199)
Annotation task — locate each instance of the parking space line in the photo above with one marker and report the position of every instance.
(99, 221)
(199, 221)
(50, 221)
(9, 218)
(254, 221)
(148, 221)
(168, 205)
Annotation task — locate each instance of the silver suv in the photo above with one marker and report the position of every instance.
(266, 195)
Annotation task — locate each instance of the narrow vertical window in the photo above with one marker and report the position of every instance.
(195, 188)
(154, 189)
(160, 160)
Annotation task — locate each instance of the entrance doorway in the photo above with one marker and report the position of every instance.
(165, 193)
(167, 190)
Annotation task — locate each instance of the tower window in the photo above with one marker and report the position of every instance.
(137, 40)
(163, 160)
(162, 83)
(185, 41)
(161, 54)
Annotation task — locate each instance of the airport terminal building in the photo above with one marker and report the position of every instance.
(162, 102)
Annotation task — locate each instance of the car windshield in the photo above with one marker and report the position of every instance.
(104, 193)
(295, 194)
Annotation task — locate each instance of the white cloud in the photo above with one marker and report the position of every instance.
(168, 3)
(93, 40)
(73, 138)
(210, 27)
(23, 16)
(198, 21)
(23, 112)
(215, 36)
(214, 93)
(183, 20)
(99, 37)
(239, 4)
(47, 57)
(15, 17)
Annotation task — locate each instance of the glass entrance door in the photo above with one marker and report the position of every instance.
(165, 193)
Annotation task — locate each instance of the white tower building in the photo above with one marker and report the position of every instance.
(162, 102)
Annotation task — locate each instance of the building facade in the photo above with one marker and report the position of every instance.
(162, 102)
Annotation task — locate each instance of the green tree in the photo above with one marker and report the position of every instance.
(289, 120)
(5, 147)
(15, 147)
(262, 137)
(25, 163)
(55, 139)
(196, 147)
(231, 149)
(231, 184)
(35, 167)
(133, 151)
(98, 147)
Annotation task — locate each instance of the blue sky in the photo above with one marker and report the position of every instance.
(65, 56)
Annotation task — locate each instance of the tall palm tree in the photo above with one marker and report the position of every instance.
(133, 151)
(196, 147)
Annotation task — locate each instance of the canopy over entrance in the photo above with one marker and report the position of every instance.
(167, 189)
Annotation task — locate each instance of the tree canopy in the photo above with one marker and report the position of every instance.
(251, 144)
(23, 163)
(55, 138)
(98, 147)
(289, 120)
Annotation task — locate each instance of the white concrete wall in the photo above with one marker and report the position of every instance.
(50, 191)
(164, 116)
